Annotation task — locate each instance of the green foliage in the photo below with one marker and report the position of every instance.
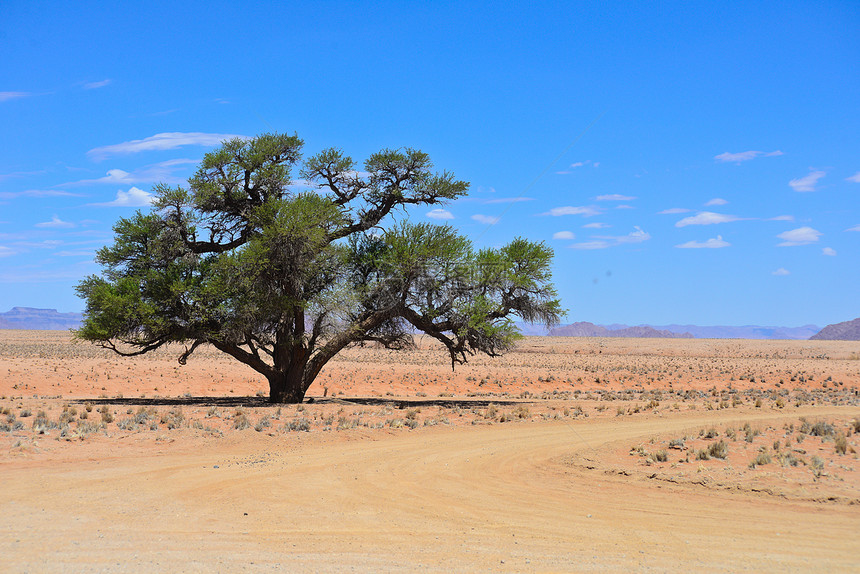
(283, 279)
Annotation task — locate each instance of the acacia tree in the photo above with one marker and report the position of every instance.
(282, 279)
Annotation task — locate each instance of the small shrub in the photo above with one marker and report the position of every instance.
(703, 454)
(817, 464)
(300, 424)
(822, 429)
(719, 450)
(107, 416)
(521, 412)
(841, 444)
(763, 457)
(492, 412)
(241, 422)
(660, 456)
(127, 424)
(677, 443)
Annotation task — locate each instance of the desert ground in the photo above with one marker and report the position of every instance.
(566, 454)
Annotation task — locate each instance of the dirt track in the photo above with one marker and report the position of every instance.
(478, 498)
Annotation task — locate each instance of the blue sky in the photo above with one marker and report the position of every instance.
(689, 162)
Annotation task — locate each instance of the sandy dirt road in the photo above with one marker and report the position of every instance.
(497, 498)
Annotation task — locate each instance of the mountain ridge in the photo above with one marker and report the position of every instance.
(844, 331)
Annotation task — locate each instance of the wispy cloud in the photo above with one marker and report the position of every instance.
(713, 243)
(509, 200)
(855, 178)
(158, 172)
(134, 197)
(606, 241)
(829, 251)
(799, 236)
(807, 182)
(579, 164)
(160, 142)
(781, 272)
(728, 157)
(706, 218)
(596, 225)
(6, 96)
(587, 211)
(36, 193)
(563, 235)
(614, 197)
(855, 228)
(6, 251)
(96, 85)
(673, 211)
(487, 219)
(716, 201)
(440, 214)
(55, 223)
(782, 218)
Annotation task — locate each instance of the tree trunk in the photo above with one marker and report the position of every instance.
(286, 388)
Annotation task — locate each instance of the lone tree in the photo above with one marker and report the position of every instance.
(282, 279)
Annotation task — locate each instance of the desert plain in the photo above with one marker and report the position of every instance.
(567, 454)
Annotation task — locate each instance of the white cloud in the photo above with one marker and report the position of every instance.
(563, 235)
(36, 193)
(487, 219)
(95, 85)
(727, 157)
(591, 245)
(716, 201)
(855, 228)
(6, 251)
(440, 214)
(584, 163)
(855, 178)
(134, 197)
(706, 218)
(161, 172)
(807, 182)
(605, 241)
(782, 218)
(799, 236)
(625, 206)
(509, 200)
(781, 272)
(55, 223)
(615, 197)
(637, 236)
(673, 211)
(713, 243)
(6, 96)
(579, 164)
(586, 211)
(78, 253)
(160, 142)
(596, 225)
(829, 251)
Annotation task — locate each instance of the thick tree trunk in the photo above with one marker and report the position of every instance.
(286, 388)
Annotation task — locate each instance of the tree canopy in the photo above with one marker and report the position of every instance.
(283, 273)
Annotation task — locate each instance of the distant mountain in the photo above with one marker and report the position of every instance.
(39, 319)
(846, 331)
(744, 332)
(585, 329)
